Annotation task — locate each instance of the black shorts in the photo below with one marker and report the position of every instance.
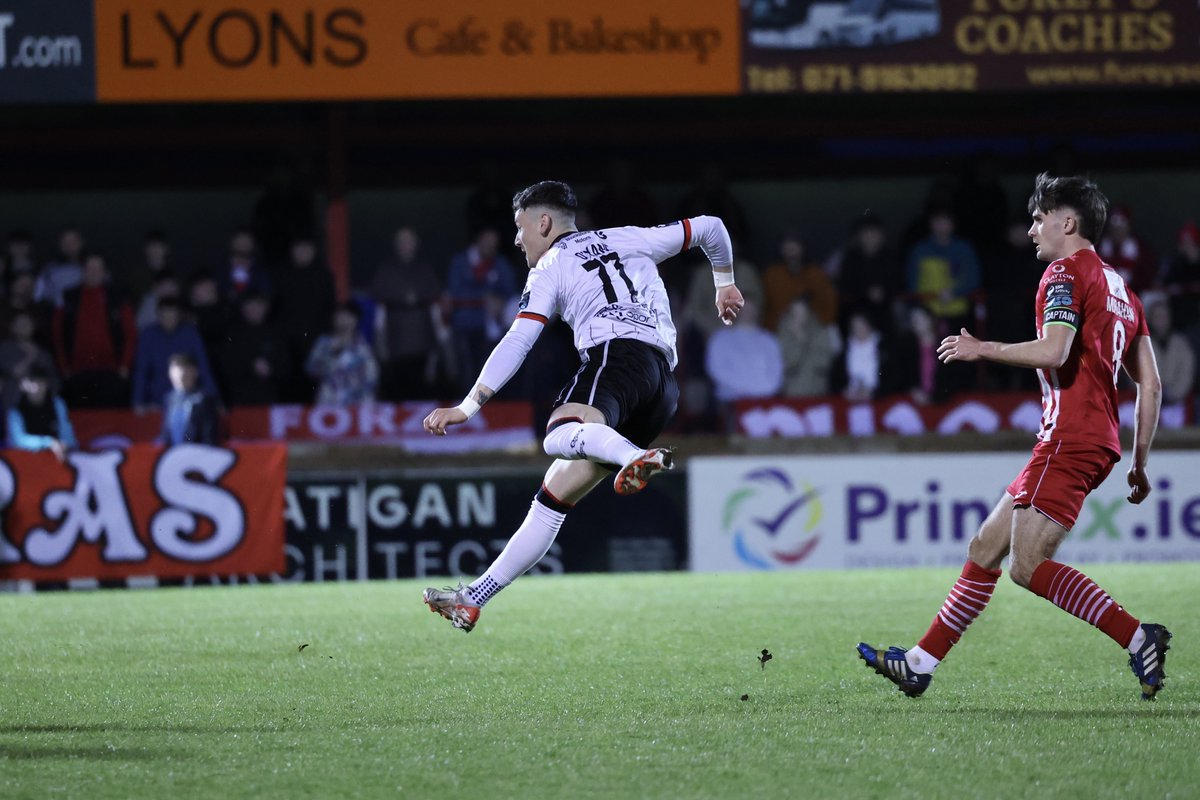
(631, 383)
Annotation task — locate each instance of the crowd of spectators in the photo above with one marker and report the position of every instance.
(863, 321)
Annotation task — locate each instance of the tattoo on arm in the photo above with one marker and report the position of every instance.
(481, 394)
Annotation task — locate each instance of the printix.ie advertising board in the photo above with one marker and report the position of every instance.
(836, 512)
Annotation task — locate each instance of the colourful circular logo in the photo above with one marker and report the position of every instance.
(773, 521)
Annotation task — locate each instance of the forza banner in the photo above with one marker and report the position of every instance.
(839, 512)
(873, 46)
(144, 512)
(501, 425)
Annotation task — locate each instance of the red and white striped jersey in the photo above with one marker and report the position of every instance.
(605, 284)
(1079, 399)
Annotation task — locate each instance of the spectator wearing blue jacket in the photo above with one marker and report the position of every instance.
(38, 420)
(191, 413)
(170, 334)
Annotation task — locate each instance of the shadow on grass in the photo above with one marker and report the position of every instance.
(120, 727)
(1147, 711)
(37, 752)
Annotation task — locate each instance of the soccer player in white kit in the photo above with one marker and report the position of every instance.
(605, 285)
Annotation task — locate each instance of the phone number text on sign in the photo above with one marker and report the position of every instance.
(816, 78)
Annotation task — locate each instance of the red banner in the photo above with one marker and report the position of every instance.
(499, 426)
(981, 413)
(145, 511)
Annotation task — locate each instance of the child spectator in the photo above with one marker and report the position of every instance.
(864, 359)
(169, 335)
(342, 362)
(191, 414)
(39, 420)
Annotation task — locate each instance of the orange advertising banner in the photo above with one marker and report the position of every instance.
(214, 50)
(189, 510)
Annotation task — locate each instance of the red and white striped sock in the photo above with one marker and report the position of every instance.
(1078, 595)
(966, 601)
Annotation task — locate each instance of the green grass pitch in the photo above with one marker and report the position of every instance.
(589, 686)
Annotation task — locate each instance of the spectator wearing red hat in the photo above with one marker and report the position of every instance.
(1182, 282)
(1125, 252)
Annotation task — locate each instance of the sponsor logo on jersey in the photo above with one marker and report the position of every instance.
(1060, 300)
(1062, 315)
(1059, 288)
(524, 301)
(1122, 310)
(639, 314)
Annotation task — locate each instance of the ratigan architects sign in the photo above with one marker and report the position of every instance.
(970, 45)
(200, 50)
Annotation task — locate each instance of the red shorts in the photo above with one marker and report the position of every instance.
(1058, 476)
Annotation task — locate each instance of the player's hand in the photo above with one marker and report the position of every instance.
(441, 418)
(729, 303)
(1139, 484)
(963, 347)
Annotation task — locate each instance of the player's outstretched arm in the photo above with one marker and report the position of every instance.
(441, 418)
(1049, 352)
(506, 358)
(1142, 366)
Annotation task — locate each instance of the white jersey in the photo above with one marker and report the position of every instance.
(605, 285)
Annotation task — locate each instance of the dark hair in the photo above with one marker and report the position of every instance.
(1077, 193)
(167, 303)
(182, 359)
(549, 194)
(155, 235)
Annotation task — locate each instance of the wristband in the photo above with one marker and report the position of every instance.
(723, 278)
(469, 407)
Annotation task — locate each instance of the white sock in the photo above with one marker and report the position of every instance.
(591, 440)
(920, 661)
(524, 549)
(1139, 639)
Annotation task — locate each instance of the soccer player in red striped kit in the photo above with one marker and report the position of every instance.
(1090, 326)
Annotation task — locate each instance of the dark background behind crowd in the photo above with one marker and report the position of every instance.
(859, 244)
